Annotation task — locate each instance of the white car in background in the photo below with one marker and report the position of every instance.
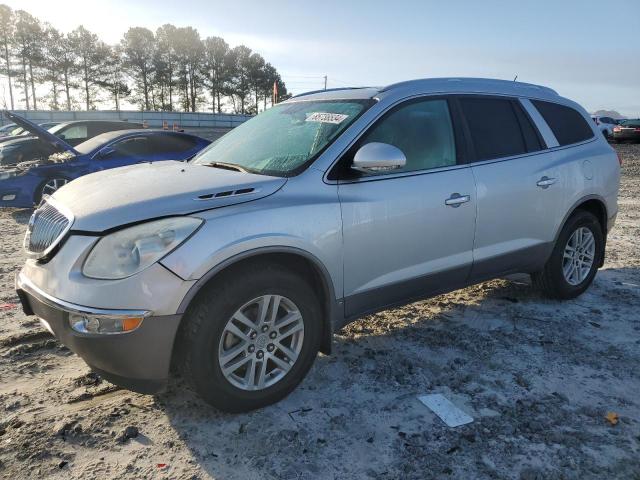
(605, 125)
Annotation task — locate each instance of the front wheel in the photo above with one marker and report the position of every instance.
(49, 187)
(250, 337)
(574, 261)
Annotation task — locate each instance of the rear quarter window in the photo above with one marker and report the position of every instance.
(568, 125)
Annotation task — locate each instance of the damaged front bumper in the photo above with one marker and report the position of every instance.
(138, 360)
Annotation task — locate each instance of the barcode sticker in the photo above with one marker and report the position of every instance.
(324, 117)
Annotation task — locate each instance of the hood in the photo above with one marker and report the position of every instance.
(112, 198)
(41, 133)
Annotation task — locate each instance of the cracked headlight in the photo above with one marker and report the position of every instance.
(127, 252)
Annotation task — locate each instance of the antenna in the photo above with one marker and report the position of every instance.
(515, 78)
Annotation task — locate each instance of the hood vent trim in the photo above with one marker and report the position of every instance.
(227, 193)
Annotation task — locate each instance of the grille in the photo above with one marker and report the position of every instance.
(46, 228)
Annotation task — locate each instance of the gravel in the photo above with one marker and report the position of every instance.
(538, 376)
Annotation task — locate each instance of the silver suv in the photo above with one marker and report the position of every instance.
(236, 268)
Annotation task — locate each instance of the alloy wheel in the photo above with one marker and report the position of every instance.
(261, 342)
(52, 185)
(579, 255)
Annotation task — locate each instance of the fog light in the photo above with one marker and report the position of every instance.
(8, 198)
(99, 324)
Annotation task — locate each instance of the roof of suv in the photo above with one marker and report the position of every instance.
(437, 85)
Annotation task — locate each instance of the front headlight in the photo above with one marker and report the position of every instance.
(4, 174)
(126, 252)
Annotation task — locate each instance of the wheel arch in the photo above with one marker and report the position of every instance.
(302, 262)
(594, 204)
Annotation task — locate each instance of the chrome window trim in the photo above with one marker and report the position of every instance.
(63, 211)
(23, 283)
(534, 114)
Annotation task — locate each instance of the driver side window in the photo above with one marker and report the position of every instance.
(422, 130)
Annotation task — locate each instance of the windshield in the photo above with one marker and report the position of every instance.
(631, 123)
(284, 138)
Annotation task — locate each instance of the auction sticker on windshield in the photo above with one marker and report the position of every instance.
(323, 117)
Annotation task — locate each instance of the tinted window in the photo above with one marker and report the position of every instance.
(133, 147)
(494, 127)
(566, 124)
(532, 139)
(422, 130)
(172, 143)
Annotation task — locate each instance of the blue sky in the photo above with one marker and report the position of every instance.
(586, 50)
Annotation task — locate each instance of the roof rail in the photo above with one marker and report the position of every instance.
(477, 81)
(326, 90)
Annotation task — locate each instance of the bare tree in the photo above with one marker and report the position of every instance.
(138, 48)
(6, 32)
(91, 53)
(216, 69)
(28, 44)
(114, 80)
(190, 54)
(165, 64)
(174, 63)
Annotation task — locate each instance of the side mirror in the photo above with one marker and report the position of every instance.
(105, 152)
(378, 157)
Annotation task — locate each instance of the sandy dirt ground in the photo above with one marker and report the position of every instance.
(538, 376)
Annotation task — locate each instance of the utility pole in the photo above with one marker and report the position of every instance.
(325, 82)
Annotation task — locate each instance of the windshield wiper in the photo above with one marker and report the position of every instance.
(227, 166)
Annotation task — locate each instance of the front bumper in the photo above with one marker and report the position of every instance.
(138, 360)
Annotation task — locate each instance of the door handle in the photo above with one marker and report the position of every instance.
(546, 182)
(455, 200)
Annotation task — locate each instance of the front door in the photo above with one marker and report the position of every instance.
(409, 232)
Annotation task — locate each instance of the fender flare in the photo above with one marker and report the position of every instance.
(335, 312)
(574, 207)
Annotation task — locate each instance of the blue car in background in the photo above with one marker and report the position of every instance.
(24, 184)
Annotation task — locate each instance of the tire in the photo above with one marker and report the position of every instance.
(48, 187)
(552, 281)
(203, 336)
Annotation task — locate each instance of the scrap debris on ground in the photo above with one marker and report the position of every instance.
(553, 389)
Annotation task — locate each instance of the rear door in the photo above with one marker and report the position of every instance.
(519, 186)
(409, 232)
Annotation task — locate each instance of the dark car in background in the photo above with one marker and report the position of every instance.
(26, 183)
(22, 146)
(78, 131)
(10, 131)
(628, 130)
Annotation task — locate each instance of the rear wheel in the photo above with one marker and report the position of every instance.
(575, 258)
(250, 338)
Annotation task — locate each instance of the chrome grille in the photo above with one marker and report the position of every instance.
(47, 226)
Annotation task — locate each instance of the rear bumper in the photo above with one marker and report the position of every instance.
(138, 360)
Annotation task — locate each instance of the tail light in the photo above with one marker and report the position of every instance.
(616, 129)
(637, 129)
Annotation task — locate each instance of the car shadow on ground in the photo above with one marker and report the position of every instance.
(22, 215)
(532, 372)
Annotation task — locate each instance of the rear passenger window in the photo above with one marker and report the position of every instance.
(75, 132)
(567, 125)
(494, 127)
(422, 130)
(173, 143)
